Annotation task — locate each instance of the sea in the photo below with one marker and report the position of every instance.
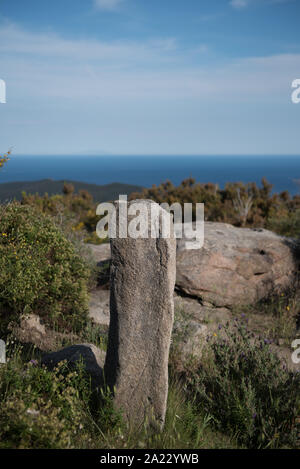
(283, 172)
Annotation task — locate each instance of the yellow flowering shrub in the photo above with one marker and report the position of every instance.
(40, 271)
(4, 158)
(40, 408)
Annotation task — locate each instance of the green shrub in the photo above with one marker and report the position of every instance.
(57, 409)
(247, 390)
(239, 204)
(40, 271)
(288, 225)
(43, 409)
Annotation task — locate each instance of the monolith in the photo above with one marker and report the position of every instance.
(143, 271)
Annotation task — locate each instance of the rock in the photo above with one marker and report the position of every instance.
(194, 322)
(199, 312)
(142, 311)
(101, 252)
(32, 323)
(99, 306)
(92, 357)
(236, 266)
(190, 338)
(101, 255)
(30, 330)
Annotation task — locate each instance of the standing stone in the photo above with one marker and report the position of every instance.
(141, 318)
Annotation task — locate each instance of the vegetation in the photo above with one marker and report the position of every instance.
(288, 224)
(73, 212)
(40, 271)
(246, 389)
(239, 394)
(276, 318)
(40, 409)
(239, 204)
(4, 158)
(58, 409)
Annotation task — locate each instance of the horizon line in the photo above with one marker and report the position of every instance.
(161, 154)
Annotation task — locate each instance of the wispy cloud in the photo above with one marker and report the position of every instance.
(243, 4)
(110, 5)
(281, 1)
(52, 66)
(210, 17)
(64, 93)
(239, 4)
(15, 40)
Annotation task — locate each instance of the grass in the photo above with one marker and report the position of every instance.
(246, 388)
(58, 409)
(237, 396)
(274, 318)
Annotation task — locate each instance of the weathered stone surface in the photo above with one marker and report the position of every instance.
(101, 255)
(91, 356)
(32, 323)
(142, 310)
(99, 306)
(199, 312)
(190, 338)
(194, 323)
(30, 330)
(101, 252)
(235, 265)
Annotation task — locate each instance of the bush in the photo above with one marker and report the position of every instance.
(247, 390)
(40, 271)
(4, 158)
(239, 204)
(77, 212)
(287, 226)
(42, 409)
(58, 409)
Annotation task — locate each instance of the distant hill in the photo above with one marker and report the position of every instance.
(13, 190)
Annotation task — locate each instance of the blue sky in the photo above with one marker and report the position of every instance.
(150, 76)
